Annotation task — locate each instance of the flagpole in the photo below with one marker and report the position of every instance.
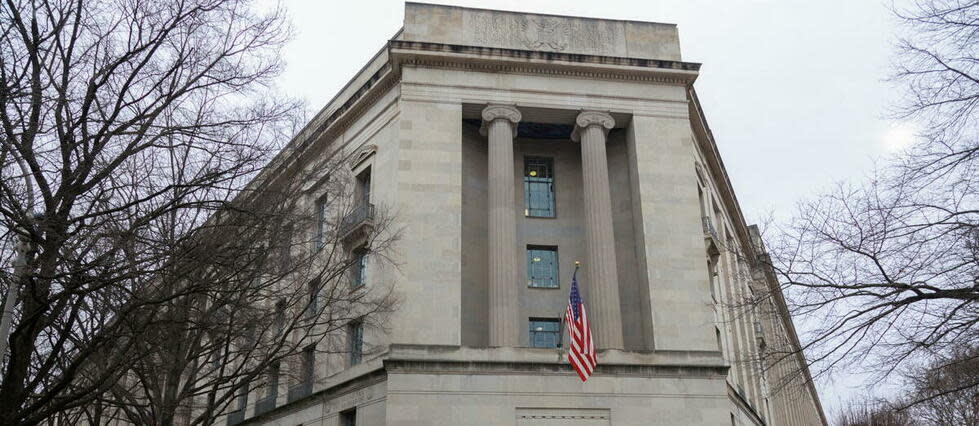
(564, 324)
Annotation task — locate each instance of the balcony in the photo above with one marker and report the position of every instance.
(264, 405)
(358, 222)
(709, 230)
(300, 390)
(710, 235)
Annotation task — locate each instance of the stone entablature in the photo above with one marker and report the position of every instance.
(545, 33)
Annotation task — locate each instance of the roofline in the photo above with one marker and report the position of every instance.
(538, 14)
(395, 52)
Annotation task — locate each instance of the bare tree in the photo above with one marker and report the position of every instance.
(940, 392)
(872, 412)
(945, 392)
(157, 283)
(888, 270)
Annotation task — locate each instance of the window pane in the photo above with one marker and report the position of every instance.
(359, 272)
(311, 306)
(364, 186)
(321, 217)
(538, 188)
(542, 267)
(348, 418)
(309, 363)
(272, 391)
(544, 332)
(356, 338)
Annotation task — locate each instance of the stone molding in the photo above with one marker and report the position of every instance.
(546, 368)
(362, 155)
(497, 112)
(524, 355)
(493, 59)
(592, 118)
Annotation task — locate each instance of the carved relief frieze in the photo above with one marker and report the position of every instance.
(544, 32)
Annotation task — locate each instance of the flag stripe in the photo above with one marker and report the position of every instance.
(581, 351)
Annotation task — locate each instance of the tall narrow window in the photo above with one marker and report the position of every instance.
(544, 332)
(267, 402)
(304, 387)
(364, 186)
(321, 222)
(285, 248)
(312, 305)
(358, 275)
(538, 187)
(272, 392)
(280, 317)
(542, 267)
(237, 414)
(349, 417)
(355, 341)
(309, 362)
(712, 276)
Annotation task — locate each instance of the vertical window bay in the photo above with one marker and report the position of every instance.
(538, 185)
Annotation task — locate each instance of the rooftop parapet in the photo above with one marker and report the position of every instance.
(454, 25)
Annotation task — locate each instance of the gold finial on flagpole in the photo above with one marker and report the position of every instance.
(577, 263)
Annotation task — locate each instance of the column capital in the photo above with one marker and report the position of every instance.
(592, 118)
(496, 112)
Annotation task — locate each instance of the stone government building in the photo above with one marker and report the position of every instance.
(511, 145)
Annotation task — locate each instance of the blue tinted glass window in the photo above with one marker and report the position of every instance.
(542, 267)
(538, 187)
(544, 332)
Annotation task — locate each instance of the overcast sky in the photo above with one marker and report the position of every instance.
(794, 91)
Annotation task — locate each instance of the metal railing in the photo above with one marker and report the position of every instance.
(708, 226)
(360, 215)
(300, 390)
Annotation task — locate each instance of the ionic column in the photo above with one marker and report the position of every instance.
(602, 285)
(500, 127)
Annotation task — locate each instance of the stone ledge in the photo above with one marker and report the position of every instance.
(468, 360)
(491, 59)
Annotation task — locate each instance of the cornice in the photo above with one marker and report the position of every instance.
(337, 115)
(332, 124)
(515, 61)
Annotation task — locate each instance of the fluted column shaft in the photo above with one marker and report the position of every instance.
(499, 125)
(602, 285)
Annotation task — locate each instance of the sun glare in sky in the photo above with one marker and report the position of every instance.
(898, 136)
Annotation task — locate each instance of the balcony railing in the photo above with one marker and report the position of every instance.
(264, 405)
(708, 226)
(300, 390)
(361, 216)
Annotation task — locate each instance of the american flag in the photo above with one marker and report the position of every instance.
(581, 353)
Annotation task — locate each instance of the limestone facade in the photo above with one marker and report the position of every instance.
(446, 116)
